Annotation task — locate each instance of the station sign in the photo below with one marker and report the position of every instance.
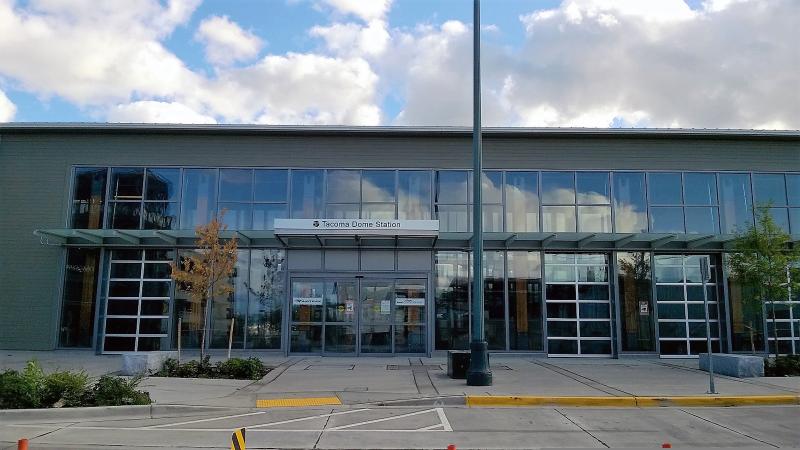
(359, 227)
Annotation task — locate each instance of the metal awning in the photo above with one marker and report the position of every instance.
(518, 241)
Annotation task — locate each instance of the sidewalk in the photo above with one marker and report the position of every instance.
(402, 379)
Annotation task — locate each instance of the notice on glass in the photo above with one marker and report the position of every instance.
(644, 308)
(386, 306)
(349, 306)
(405, 301)
(309, 301)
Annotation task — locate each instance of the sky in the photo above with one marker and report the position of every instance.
(545, 63)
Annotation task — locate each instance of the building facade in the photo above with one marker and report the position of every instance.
(356, 241)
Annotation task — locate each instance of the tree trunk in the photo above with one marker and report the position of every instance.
(775, 329)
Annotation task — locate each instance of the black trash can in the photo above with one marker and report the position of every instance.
(457, 363)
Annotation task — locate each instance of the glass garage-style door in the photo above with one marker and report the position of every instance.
(578, 304)
(358, 316)
(137, 306)
(681, 313)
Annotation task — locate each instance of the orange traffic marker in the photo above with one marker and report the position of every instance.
(451, 447)
(666, 445)
(22, 444)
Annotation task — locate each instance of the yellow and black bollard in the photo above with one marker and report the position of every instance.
(238, 439)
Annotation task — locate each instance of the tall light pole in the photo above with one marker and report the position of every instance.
(478, 373)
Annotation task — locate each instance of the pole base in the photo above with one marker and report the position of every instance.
(478, 373)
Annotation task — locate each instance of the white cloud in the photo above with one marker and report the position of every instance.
(109, 58)
(7, 108)
(354, 39)
(226, 42)
(604, 63)
(367, 10)
(148, 111)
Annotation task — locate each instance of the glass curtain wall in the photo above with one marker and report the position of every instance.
(452, 199)
(494, 304)
(79, 297)
(635, 301)
(681, 312)
(451, 293)
(88, 197)
(522, 201)
(525, 300)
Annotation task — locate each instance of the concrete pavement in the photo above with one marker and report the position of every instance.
(427, 427)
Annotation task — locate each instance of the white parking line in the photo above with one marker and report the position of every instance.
(443, 419)
(416, 413)
(305, 418)
(150, 427)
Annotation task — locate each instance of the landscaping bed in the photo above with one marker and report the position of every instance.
(782, 366)
(232, 369)
(33, 388)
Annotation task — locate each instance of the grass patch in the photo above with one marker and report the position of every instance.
(33, 388)
(782, 366)
(233, 368)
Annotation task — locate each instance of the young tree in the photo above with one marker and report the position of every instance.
(766, 264)
(205, 274)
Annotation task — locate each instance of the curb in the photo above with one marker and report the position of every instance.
(631, 401)
(106, 412)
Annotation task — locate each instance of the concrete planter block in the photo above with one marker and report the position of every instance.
(144, 362)
(739, 366)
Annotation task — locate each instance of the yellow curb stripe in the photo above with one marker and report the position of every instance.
(630, 401)
(718, 400)
(525, 400)
(298, 401)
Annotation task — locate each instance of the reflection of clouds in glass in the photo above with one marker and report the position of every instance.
(344, 186)
(414, 195)
(491, 189)
(378, 185)
(593, 198)
(559, 196)
(522, 209)
(628, 219)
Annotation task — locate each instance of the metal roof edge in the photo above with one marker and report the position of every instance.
(443, 131)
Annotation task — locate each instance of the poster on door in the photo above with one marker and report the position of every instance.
(405, 301)
(386, 306)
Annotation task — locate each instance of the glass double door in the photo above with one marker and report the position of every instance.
(358, 316)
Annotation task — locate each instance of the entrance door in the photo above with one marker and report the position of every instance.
(358, 316)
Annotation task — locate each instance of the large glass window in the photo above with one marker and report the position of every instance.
(199, 200)
(522, 201)
(492, 199)
(267, 294)
(793, 197)
(630, 204)
(161, 199)
(88, 197)
(378, 194)
(452, 188)
(270, 196)
(736, 202)
(235, 197)
(78, 304)
(558, 190)
(525, 301)
(769, 191)
(126, 198)
(636, 303)
(307, 194)
(344, 186)
(231, 309)
(451, 290)
(494, 305)
(414, 195)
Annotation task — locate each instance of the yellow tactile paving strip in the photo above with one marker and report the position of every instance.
(298, 401)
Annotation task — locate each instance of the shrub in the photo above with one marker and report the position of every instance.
(242, 369)
(782, 366)
(32, 388)
(65, 388)
(234, 368)
(116, 391)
